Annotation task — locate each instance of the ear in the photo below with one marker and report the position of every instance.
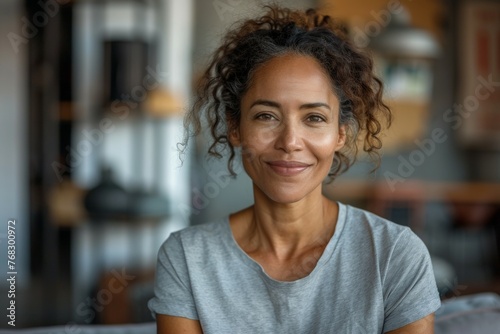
(342, 137)
(234, 135)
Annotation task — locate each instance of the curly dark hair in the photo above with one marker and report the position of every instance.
(282, 31)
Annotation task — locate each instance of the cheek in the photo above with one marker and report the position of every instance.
(325, 145)
(255, 141)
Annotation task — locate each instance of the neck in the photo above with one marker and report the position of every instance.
(289, 229)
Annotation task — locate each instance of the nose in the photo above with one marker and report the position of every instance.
(289, 138)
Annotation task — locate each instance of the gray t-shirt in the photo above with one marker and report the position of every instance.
(373, 276)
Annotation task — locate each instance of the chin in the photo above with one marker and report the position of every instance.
(285, 195)
(279, 199)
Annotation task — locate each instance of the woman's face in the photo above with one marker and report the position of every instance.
(289, 128)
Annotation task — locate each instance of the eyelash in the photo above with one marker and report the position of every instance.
(317, 117)
(310, 118)
(264, 117)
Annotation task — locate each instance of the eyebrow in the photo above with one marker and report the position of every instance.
(269, 103)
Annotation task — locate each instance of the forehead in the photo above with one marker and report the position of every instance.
(291, 73)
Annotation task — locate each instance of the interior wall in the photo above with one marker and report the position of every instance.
(484, 159)
(13, 141)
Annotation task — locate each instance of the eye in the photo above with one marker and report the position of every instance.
(315, 118)
(265, 117)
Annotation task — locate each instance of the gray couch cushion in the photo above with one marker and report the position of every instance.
(144, 328)
(474, 314)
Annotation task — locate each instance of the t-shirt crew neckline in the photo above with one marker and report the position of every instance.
(325, 257)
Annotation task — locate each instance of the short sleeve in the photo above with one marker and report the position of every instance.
(409, 285)
(173, 294)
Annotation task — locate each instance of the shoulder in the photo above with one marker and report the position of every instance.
(197, 237)
(384, 239)
(202, 230)
(362, 221)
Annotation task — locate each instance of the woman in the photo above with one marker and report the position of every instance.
(290, 93)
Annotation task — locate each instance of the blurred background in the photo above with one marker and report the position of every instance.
(93, 94)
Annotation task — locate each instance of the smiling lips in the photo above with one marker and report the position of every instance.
(287, 168)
